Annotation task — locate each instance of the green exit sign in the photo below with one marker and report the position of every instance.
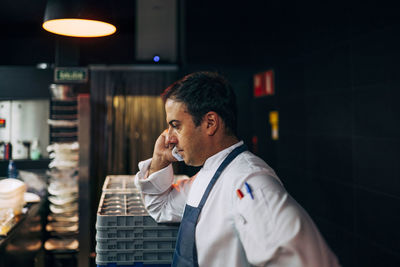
(74, 75)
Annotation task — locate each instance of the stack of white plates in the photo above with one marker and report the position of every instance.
(12, 194)
(65, 156)
(63, 222)
(63, 198)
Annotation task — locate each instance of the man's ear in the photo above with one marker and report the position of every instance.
(211, 122)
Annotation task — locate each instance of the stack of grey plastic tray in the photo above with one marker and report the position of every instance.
(125, 233)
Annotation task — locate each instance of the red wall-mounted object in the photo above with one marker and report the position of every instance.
(254, 141)
(264, 83)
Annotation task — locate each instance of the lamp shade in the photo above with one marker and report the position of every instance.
(78, 18)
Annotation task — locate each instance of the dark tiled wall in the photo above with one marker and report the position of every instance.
(339, 147)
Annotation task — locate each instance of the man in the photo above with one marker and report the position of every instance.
(234, 211)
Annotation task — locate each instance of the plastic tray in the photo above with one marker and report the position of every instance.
(119, 183)
(136, 264)
(121, 204)
(127, 257)
(125, 233)
(125, 221)
(137, 232)
(103, 244)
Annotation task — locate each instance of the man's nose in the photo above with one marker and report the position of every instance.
(171, 137)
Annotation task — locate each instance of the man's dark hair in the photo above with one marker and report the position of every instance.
(203, 92)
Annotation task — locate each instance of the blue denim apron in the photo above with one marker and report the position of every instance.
(185, 254)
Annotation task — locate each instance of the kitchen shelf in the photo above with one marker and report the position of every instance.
(24, 164)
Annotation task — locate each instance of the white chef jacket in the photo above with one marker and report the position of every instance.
(270, 230)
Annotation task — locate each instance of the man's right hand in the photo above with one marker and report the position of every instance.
(162, 154)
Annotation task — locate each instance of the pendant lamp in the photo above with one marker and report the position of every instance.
(78, 18)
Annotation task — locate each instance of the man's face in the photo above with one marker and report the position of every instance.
(183, 133)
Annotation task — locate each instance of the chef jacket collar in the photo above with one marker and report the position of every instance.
(215, 160)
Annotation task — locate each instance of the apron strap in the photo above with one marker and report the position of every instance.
(185, 254)
(220, 169)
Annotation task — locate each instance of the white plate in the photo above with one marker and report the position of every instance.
(31, 197)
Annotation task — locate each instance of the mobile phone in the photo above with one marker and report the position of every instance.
(176, 154)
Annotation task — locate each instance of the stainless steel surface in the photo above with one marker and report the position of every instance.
(26, 122)
(84, 180)
(5, 113)
(29, 124)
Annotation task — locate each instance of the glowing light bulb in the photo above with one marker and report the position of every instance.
(156, 58)
(79, 27)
